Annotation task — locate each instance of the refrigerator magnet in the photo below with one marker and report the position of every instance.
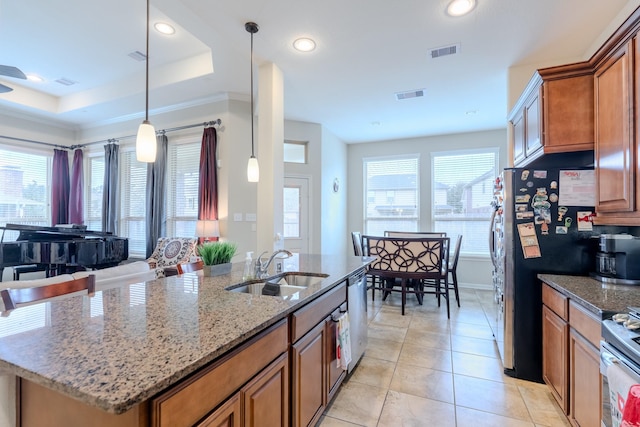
(585, 221)
(529, 240)
(523, 198)
(553, 197)
(540, 174)
(562, 211)
(524, 175)
(561, 229)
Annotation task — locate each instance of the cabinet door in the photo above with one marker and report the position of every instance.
(308, 372)
(266, 397)
(335, 373)
(228, 415)
(555, 369)
(533, 132)
(585, 390)
(614, 153)
(518, 138)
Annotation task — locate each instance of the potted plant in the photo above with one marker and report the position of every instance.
(216, 257)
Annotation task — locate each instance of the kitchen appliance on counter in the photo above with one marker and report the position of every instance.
(542, 224)
(619, 363)
(618, 260)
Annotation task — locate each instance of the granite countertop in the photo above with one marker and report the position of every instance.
(127, 343)
(599, 298)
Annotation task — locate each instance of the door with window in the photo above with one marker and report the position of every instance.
(296, 214)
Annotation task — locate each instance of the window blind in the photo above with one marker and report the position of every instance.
(392, 189)
(93, 200)
(462, 191)
(133, 190)
(183, 173)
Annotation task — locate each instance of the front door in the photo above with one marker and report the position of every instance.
(296, 214)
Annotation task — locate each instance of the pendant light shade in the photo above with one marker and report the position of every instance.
(146, 138)
(253, 170)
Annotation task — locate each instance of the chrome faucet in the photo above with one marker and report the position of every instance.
(262, 267)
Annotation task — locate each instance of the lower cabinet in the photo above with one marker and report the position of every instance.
(315, 376)
(570, 357)
(263, 401)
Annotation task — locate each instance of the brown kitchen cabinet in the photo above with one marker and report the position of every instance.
(555, 338)
(554, 114)
(570, 357)
(616, 141)
(313, 378)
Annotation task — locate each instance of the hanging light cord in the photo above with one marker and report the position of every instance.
(146, 108)
(252, 153)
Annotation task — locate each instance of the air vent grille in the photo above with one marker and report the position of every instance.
(444, 51)
(65, 81)
(138, 56)
(409, 94)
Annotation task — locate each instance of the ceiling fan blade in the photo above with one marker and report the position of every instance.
(9, 71)
(5, 89)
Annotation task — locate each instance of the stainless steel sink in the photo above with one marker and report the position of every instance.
(282, 285)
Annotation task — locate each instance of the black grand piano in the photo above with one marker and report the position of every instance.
(61, 249)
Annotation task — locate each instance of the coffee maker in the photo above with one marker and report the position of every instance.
(618, 260)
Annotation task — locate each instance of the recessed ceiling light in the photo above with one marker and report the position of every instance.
(164, 28)
(34, 78)
(460, 7)
(304, 44)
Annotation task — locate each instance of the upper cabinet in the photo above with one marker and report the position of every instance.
(554, 114)
(616, 80)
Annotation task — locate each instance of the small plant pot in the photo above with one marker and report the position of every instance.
(217, 270)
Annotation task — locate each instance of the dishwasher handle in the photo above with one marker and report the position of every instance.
(356, 278)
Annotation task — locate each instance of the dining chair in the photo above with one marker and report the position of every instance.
(189, 267)
(410, 259)
(356, 238)
(12, 297)
(452, 267)
(413, 234)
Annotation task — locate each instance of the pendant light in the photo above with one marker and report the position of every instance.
(146, 139)
(253, 170)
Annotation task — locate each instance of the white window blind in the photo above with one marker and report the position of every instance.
(93, 200)
(25, 188)
(183, 173)
(462, 190)
(133, 190)
(391, 189)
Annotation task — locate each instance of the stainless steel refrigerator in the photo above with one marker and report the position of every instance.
(542, 224)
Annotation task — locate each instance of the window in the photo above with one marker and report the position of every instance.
(93, 200)
(391, 188)
(133, 190)
(462, 191)
(25, 189)
(291, 212)
(183, 172)
(295, 152)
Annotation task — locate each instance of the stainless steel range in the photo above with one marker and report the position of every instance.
(619, 363)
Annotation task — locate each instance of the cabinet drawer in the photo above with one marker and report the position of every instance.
(189, 401)
(585, 323)
(557, 302)
(313, 313)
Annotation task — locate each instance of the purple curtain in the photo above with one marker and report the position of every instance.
(60, 188)
(208, 186)
(76, 195)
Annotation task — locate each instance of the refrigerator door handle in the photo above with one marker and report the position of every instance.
(492, 239)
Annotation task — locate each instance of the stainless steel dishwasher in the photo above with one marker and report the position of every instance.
(357, 307)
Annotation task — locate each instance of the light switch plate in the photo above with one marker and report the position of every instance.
(250, 217)
(237, 217)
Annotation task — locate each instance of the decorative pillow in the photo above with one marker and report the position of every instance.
(172, 251)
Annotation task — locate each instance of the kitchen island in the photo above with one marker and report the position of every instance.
(119, 348)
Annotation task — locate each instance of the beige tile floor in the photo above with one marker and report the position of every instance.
(422, 369)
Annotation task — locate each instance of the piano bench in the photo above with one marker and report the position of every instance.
(20, 269)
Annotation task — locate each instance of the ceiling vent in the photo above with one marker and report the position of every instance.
(65, 81)
(138, 56)
(409, 94)
(444, 51)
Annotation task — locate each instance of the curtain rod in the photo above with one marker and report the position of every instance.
(73, 147)
(160, 132)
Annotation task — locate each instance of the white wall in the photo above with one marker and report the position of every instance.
(335, 238)
(471, 271)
